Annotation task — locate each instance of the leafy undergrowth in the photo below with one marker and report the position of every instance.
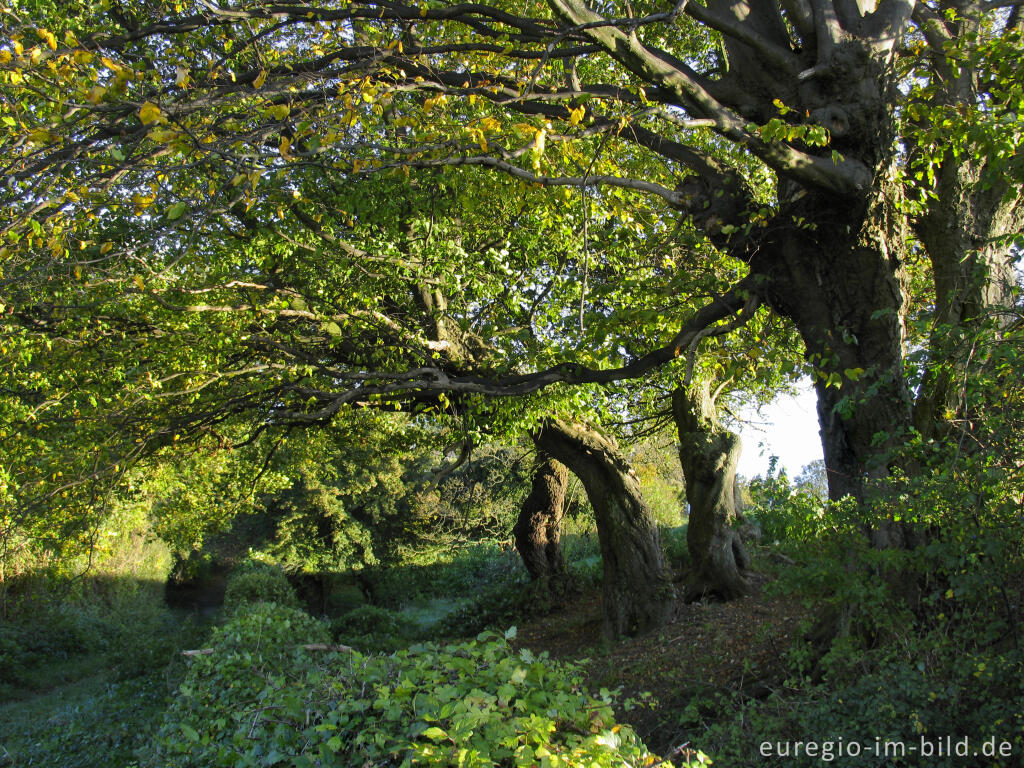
(93, 720)
(709, 649)
(270, 693)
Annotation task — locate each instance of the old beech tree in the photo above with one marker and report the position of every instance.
(803, 158)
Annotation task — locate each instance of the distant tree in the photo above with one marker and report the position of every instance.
(813, 479)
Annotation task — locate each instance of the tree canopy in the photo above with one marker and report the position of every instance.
(218, 218)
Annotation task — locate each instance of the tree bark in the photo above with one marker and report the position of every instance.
(538, 530)
(709, 455)
(638, 594)
(841, 280)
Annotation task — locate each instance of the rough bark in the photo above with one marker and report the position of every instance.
(538, 530)
(842, 283)
(709, 455)
(638, 594)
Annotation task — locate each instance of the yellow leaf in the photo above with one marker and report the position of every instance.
(18, 47)
(143, 201)
(181, 77)
(40, 136)
(149, 113)
(285, 147)
(48, 37)
(106, 248)
(5, 57)
(162, 135)
(95, 95)
(539, 140)
(576, 115)
(261, 78)
(139, 282)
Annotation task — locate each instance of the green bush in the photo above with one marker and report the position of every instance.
(258, 583)
(501, 604)
(372, 628)
(52, 633)
(478, 703)
(442, 572)
(673, 542)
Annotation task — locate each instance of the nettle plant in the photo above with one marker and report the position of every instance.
(263, 699)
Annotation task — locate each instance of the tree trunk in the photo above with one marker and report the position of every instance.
(841, 281)
(638, 593)
(538, 530)
(709, 455)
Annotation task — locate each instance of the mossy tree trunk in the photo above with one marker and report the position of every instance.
(538, 531)
(638, 594)
(709, 455)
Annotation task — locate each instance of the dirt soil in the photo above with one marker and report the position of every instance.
(709, 647)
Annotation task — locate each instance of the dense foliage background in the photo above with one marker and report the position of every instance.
(368, 379)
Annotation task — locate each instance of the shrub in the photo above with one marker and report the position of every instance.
(372, 628)
(673, 543)
(500, 604)
(259, 583)
(447, 572)
(477, 703)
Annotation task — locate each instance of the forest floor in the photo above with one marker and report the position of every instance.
(709, 648)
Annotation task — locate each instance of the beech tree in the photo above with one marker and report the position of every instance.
(252, 214)
(710, 454)
(637, 592)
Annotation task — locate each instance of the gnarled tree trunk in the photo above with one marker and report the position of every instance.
(638, 593)
(538, 530)
(842, 283)
(709, 455)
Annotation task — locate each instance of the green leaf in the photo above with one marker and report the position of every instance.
(435, 734)
(176, 211)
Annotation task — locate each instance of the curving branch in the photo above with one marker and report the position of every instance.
(844, 177)
(365, 385)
